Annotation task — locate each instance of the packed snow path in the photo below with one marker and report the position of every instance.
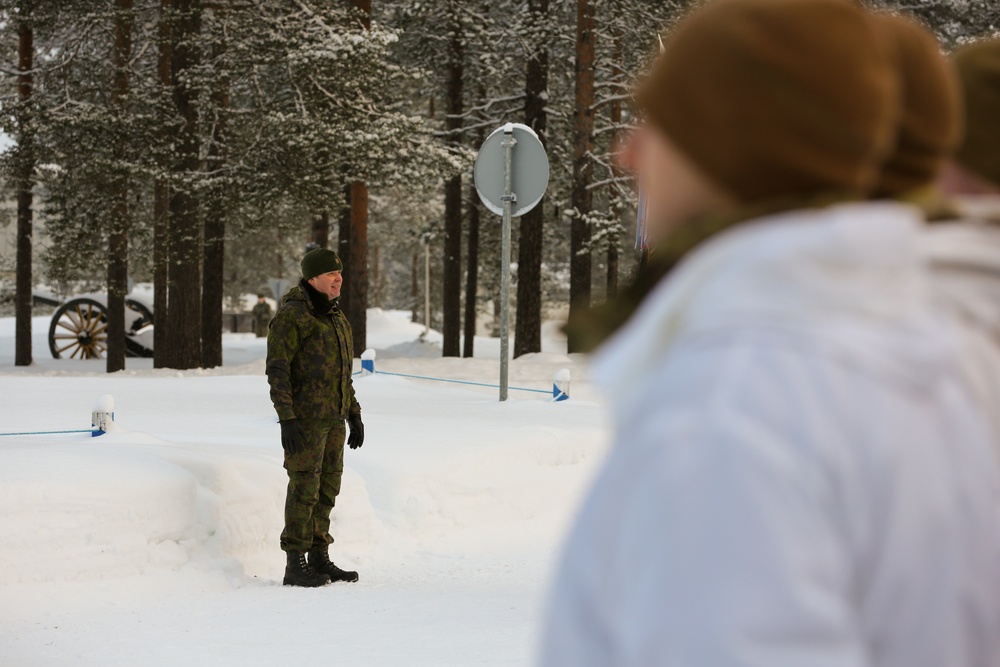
(158, 545)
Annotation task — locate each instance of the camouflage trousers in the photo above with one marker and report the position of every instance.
(314, 476)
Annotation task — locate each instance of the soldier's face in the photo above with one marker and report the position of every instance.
(328, 283)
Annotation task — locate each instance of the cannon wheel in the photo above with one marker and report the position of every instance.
(79, 330)
(145, 314)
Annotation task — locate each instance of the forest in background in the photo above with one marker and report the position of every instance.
(201, 145)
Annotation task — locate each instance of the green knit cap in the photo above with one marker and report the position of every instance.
(978, 68)
(319, 261)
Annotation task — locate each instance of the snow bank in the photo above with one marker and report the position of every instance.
(112, 508)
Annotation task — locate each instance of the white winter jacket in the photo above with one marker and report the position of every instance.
(965, 263)
(798, 478)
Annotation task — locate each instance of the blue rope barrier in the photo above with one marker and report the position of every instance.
(402, 375)
(81, 430)
(474, 384)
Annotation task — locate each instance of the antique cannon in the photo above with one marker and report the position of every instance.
(79, 328)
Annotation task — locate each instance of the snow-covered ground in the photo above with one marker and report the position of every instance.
(157, 545)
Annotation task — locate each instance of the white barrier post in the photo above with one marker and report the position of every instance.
(368, 362)
(102, 418)
(560, 385)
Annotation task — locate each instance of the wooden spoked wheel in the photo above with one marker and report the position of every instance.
(140, 316)
(79, 330)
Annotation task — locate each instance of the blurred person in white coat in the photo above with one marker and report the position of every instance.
(799, 477)
(954, 177)
(964, 247)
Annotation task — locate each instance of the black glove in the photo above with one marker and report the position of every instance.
(357, 437)
(293, 440)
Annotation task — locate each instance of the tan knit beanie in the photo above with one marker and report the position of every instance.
(978, 68)
(930, 126)
(777, 98)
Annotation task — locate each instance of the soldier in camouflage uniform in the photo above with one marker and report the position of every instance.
(309, 359)
(261, 316)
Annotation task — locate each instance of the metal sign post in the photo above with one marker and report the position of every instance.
(509, 199)
(513, 193)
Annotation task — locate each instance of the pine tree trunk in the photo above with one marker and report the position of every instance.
(161, 262)
(161, 205)
(528, 327)
(583, 131)
(213, 264)
(365, 7)
(184, 325)
(414, 287)
(357, 279)
(24, 182)
(213, 261)
(612, 285)
(618, 90)
(378, 279)
(321, 229)
(452, 268)
(472, 274)
(344, 249)
(120, 215)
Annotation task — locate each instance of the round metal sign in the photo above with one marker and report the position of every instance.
(529, 170)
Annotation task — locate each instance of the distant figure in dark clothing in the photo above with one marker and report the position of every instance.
(262, 314)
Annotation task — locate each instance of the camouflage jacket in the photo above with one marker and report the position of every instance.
(310, 352)
(261, 312)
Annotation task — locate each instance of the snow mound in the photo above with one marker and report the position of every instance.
(111, 510)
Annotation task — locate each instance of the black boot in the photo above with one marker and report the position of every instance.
(299, 573)
(319, 560)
